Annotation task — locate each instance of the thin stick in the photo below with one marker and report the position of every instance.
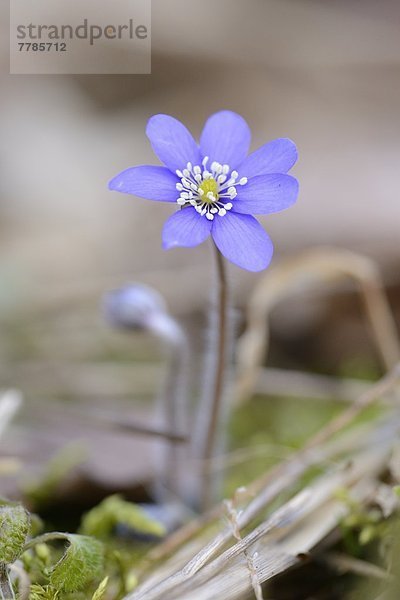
(218, 383)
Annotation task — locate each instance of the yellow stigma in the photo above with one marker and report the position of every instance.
(209, 185)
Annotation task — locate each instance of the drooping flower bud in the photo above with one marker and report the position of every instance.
(133, 306)
(138, 307)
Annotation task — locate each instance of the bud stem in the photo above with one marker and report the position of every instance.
(6, 589)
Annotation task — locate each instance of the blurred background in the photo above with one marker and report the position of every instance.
(324, 73)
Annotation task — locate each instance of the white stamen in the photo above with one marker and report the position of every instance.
(211, 203)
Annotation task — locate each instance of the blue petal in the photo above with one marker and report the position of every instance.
(185, 228)
(266, 194)
(153, 183)
(242, 240)
(277, 156)
(172, 142)
(225, 138)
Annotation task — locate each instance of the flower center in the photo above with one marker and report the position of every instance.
(209, 191)
(207, 186)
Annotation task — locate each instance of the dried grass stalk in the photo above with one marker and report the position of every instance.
(316, 266)
(221, 568)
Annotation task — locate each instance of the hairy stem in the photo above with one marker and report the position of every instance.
(6, 589)
(44, 538)
(218, 384)
(175, 407)
(171, 412)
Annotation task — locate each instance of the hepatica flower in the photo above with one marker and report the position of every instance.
(216, 185)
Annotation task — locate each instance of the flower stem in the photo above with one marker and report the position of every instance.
(175, 417)
(218, 383)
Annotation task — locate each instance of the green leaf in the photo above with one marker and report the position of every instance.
(102, 520)
(101, 590)
(38, 592)
(14, 529)
(80, 564)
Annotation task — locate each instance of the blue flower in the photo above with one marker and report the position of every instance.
(216, 184)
